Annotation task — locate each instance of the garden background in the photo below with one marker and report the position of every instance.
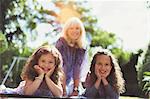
(28, 24)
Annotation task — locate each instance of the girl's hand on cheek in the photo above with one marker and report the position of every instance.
(38, 69)
(50, 72)
(105, 75)
(97, 72)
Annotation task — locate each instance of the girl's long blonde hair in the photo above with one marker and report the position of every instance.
(81, 42)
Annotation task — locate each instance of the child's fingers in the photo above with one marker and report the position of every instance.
(50, 71)
(36, 66)
(53, 68)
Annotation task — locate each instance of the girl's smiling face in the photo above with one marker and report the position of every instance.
(103, 64)
(46, 62)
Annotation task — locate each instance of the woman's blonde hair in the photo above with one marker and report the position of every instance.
(70, 22)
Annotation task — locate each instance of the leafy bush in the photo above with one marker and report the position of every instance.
(3, 43)
(146, 79)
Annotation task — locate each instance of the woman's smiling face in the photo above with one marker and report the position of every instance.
(74, 32)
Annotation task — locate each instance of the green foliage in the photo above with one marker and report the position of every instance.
(146, 79)
(92, 51)
(148, 4)
(144, 70)
(103, 38)
(22, 19)
(26, 52)
(3, 43)
(7, 58)
(122, 56)
(12, 31)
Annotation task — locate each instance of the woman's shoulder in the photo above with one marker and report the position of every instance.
(81, 51)
(84, 49)
(61, 41)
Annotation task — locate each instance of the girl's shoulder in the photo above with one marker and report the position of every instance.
(88, 80)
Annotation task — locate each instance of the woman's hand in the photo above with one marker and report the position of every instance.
(74, 93)
(50, 72)
(64, 93)
(38, 69)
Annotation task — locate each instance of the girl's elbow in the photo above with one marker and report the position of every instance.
(59, 94)
(27, 93)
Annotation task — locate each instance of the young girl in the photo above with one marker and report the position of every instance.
(42, 73)
(71, 46)
(105, 78)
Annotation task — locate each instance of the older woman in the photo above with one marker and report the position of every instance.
(72, 47)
